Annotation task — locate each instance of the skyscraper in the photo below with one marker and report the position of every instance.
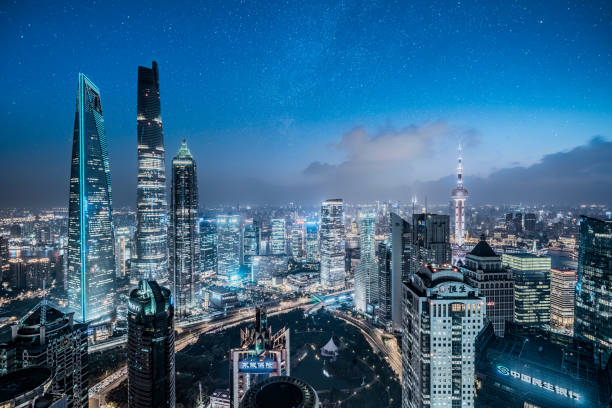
(91, 257)
(250, 240)
(151, 347)
(366, 273)
(531, 287)
(297, 240)
(208, 246)
(332, 244)
(430, 241)
(312, 241)
(442, 317)
(228, 245)
(562, 298)
(593, 319)
(184, 262)
(483, 270)
(401, 244)
(151, 222)
(384, 310)
(279, 246)
(459, 195)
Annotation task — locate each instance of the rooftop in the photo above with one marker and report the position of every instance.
(483, 249)
(19, 382)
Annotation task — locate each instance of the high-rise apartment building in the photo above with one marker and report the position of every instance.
(250, 241)
(228, 245)
(279, 246)
(91, 257)
(483, 270)
(593, 316)
(383, 312)
(531, 275)
(183, 237)
(151, 260)
(366, 276)
(151, 347)
(401, 245)
(562, 298)
(208, 246)
(442, 317)
(312, 241)
(332, 244)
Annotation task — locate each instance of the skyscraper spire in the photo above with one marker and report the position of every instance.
(459, 195)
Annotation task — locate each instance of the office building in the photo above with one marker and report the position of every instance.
(332, 244)
(250, 240)
(278, 244)
(151, 260)
(430, 241)
(297, 240)
(151, 347)
(312, 241)
(261, 355)
(123, 251)
(366, 274)
(531, 275)
(593, 317)
(48, 338)
(267, 267)
(442, 317)
(530, 221)
(183, 237)
(281, 392)
(483, 270)
(383, 312)
(401, 250)
(459, 195)
(562, 298)
(208, 246)
(228, 245)
(91, 257)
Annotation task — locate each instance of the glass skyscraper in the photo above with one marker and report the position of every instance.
(152, 231)
(366, 272)
(312, 241)
(91, 257)
(250, 241)
(593, 313)
(383, 311)
(184, 262)
(228, 245)
(332, 244)
(279, 246)
(401, 243)
(208, 246)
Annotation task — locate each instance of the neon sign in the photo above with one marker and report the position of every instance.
(257, 366)
(503, 370)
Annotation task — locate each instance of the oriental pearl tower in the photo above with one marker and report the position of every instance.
(459, 195)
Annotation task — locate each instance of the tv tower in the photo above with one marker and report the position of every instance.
(459, 195)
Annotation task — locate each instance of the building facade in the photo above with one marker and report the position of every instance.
(401, 250)
(430, 241)
(151, 260)
(278, 241)
(366, 273)
(531, 275)
(594, 287)
(442, 317)
(91, 255)
(483, 270)
(250, 241)
(562, 298)
(228, 245)
(312, 241)
(208, 246)
(332, 244)
(383, 311)
(183, 237)
(151, 375)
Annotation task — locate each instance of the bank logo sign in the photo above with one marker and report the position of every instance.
(562, 391)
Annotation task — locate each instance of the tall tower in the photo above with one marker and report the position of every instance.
(333, 248)
(459, 195)
(184, 260)
(152, 230)
(151, 347)
(228, 246)
(91, 255)
(365, 274)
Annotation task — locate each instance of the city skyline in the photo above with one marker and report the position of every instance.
(330, 109)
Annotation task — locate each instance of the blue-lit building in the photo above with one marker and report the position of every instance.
(278, 240)
(250, 240)
(366, 272)
(332, 244)
(151, 261)
(208, 246)
(593, 313)
(228, 245)
(312, 241)
(91, 257)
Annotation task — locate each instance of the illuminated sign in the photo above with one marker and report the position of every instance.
(451, 288)
(255, 366)
(503, 370)
(133, 307)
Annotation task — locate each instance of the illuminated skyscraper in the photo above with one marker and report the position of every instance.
(250, 239)
(184, 262)
(312, 241)
(366, 273)
(91, 255)
(279, 246)
(151, 347)
(593, 319)
(151, 221)
(228, 245)
(123, 251)
(297, 240)
(562, 298)
(401, 245)
(208, 246)
(332, 244)
(384, 310)
(459, 195)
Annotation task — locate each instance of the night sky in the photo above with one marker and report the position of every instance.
(305, 100)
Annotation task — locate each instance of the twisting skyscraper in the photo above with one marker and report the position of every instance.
(91, 258)
(459, 195)
(332, 244)
(151, 233)
(184, 260)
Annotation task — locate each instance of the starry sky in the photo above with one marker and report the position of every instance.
(300, 101)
